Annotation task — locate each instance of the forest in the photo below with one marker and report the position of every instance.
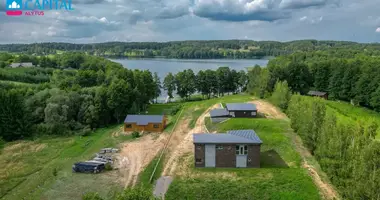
(79, 93)
(74, 93)
(344, 145)
(212, 49)
(353, 78)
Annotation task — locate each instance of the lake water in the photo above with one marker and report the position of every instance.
(164, 66)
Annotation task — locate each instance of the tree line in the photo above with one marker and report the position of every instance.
(208, 83)
(353, 77)
(196, 49)
(346, 149)
(97, 93)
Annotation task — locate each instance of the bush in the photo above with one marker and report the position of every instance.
(175, 109)
(281, 95)
(136, 193)
(108, 167)
(135, 134)
(55, 172)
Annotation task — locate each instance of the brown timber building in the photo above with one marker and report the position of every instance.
(151, 123)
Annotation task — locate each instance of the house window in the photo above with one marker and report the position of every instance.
(232, 114)
(156, 126)
(253, 113)
(241, 149)
(198, 147)
(198, 160)
(219, 147)
(128, 126)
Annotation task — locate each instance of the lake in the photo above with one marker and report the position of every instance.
(164, 66)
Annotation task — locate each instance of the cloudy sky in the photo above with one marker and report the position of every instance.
(168, 20)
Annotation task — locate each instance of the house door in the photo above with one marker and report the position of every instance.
(209, 155)
(241, 155)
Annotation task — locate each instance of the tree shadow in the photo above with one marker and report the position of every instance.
(271, 159)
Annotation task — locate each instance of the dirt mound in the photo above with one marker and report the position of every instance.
(268, 110)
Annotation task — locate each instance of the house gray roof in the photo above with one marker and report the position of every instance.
(219, 112)
(231, 137)
(26, 64)
(241, 106)
(144, 119)
(316, 93)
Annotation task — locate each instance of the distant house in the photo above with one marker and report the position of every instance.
(236, 148)
(318, 94)
(154, 123)
(242, 109)
(245, 110)
(219, 115)
(27, 64)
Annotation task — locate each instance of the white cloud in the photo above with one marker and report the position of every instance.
(378, 30)
(303, 18)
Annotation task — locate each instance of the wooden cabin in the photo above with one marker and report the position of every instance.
(151, 123)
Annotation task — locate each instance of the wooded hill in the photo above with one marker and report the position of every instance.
(196, 49)
(93, 92)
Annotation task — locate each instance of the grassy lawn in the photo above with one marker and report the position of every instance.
(144, 176)
(280, 175)
(29, 166)
(159, 109)
(350, 113)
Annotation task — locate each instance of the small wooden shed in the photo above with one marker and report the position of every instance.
(318, 94)
(153, 123)
(236, 148)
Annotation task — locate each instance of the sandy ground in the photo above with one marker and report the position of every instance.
(270, 111)
(327, 190)
(185, 145)
(135, 156)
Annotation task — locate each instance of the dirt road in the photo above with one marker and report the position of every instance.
(186, 144)
(327, 190)
(136, 155)
(268, 110)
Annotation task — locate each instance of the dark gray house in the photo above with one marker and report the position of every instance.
(27, 64)
(242, 109)
(219, 115)
(236, 148)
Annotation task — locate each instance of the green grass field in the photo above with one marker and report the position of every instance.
(160, 109)
(196, 108)
(280, 175)
(29, 167)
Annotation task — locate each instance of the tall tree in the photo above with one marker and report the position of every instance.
(119, 99)
(157, 86)
(170, 84)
